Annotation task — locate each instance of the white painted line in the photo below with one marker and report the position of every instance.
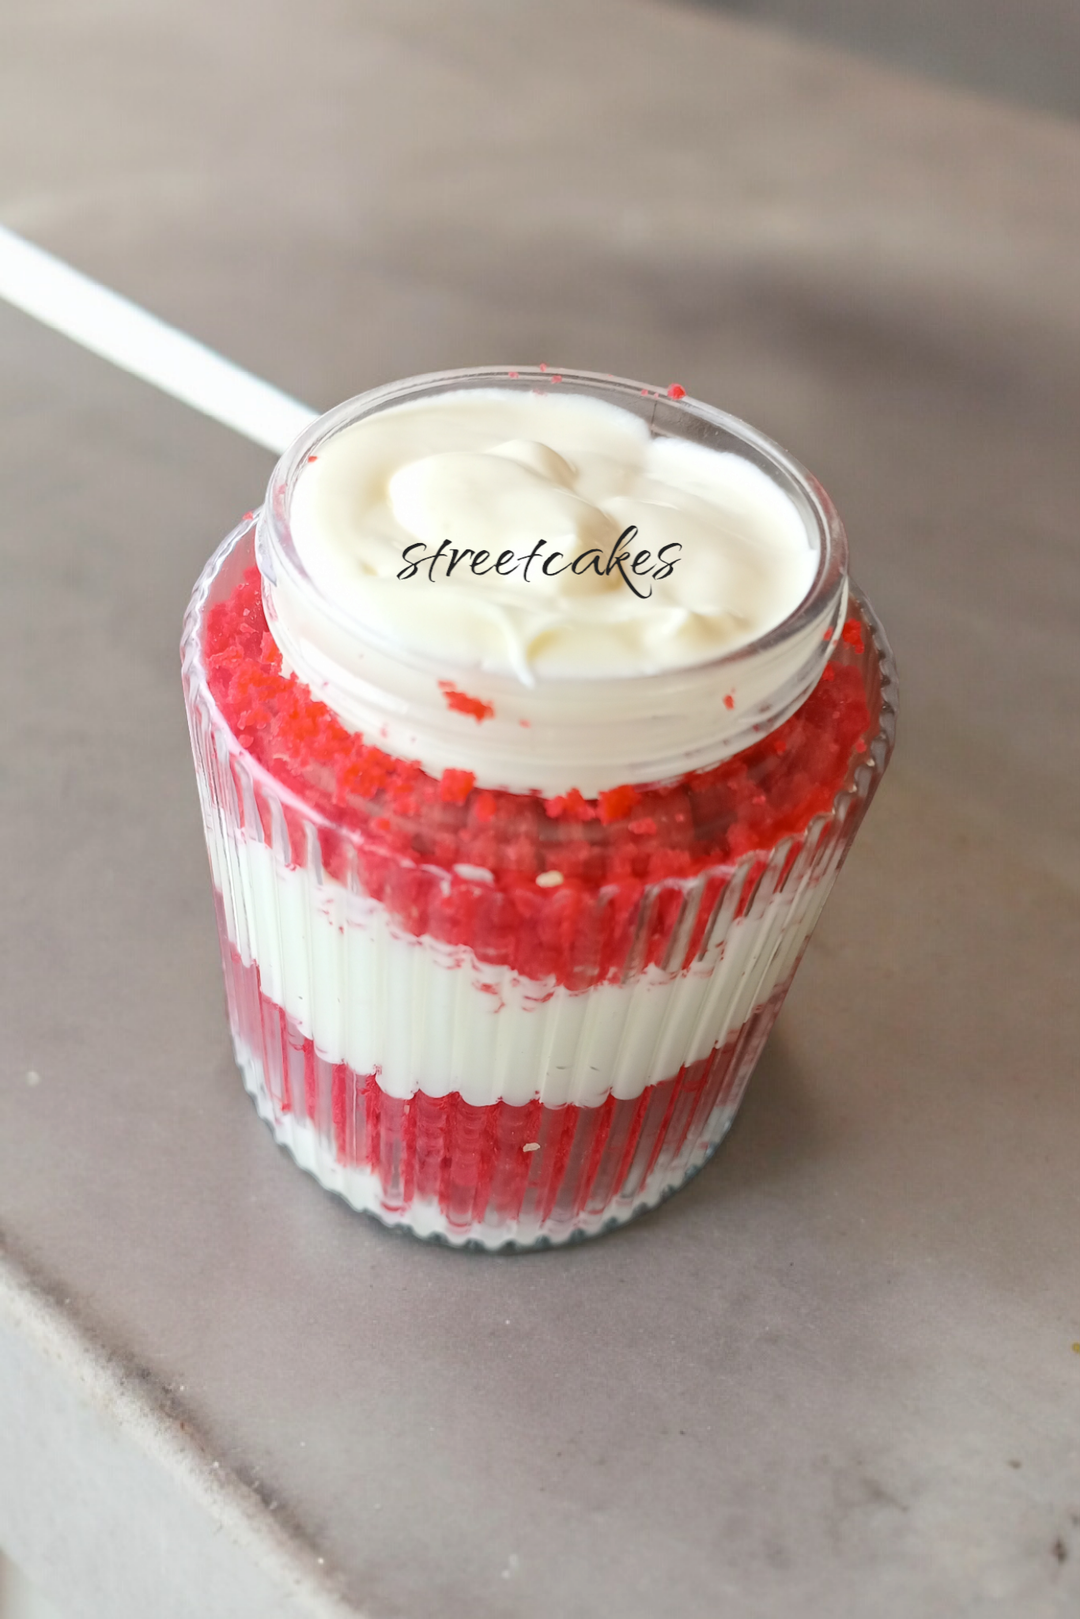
(109, 325)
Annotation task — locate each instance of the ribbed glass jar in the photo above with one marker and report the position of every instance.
(482, 1016)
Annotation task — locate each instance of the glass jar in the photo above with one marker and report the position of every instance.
(492, 1015)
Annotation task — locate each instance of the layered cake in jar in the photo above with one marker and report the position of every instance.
(533, 716)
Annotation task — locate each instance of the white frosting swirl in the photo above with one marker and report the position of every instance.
(574, 576)
(715, 555)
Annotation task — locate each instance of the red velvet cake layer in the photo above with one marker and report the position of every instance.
(397, 834)
(496, 1164)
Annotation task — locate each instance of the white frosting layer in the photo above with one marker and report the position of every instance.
(483, 528)
(428, 1016)
(411, 594)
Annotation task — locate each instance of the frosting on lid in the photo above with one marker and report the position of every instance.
(483, 528)
(540, 590)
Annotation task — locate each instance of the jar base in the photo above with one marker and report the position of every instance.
(425, 1218)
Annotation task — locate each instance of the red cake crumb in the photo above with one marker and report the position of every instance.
(400, 832)
(676, 392)
(616, 804)
(573, 805)
(462, 703)
(456, 785)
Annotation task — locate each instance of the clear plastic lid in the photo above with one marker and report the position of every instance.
(557, 733)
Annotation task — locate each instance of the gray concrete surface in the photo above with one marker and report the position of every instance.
(1028, 50)
(836, 1375)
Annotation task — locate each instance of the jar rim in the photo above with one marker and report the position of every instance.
(655, 725)
(274, 543)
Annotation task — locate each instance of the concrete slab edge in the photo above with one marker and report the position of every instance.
(110, 1500)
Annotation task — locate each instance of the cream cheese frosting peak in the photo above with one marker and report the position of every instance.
(546, 536)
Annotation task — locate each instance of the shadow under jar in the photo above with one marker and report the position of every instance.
(489, 1015)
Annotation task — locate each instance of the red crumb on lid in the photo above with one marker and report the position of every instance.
(729, 701)
(543, 367)
(462, 703)
(676, 392)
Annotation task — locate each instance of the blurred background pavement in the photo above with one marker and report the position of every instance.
(1026, 50)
